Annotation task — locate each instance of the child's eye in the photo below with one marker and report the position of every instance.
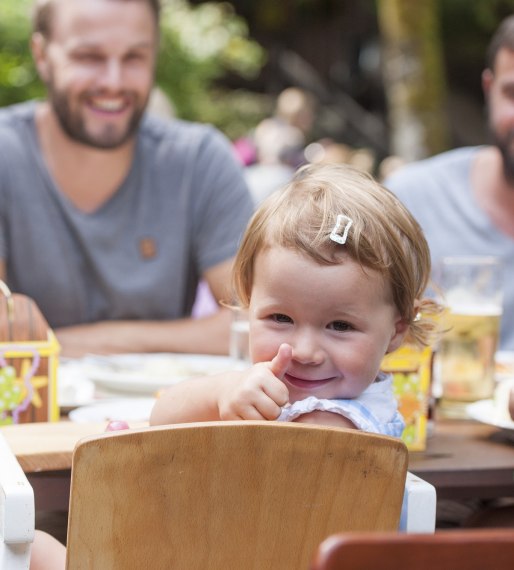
(340, 326)
(280, 318)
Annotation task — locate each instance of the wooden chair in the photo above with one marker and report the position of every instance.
(208, 496)
(469, 549)
(242, 495)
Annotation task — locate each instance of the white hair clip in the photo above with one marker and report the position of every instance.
(340, 231)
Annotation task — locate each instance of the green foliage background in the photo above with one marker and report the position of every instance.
(203, 44)
(18, 78)
(199, 46)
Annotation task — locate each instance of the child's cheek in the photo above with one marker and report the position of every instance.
(263, 345)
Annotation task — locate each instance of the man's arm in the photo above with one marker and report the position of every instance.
(209, 335)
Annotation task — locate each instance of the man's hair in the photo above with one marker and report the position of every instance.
(43, 14)
(502, 38)
(383, 236)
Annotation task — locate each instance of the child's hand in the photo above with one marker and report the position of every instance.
(260, 393)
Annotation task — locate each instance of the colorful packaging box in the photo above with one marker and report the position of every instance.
(28, 381)
(411, 368)
(28, 362)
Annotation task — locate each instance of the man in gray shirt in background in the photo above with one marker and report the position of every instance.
(464, 198)
(110, 217)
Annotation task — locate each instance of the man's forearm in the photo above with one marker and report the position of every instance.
(209, 335)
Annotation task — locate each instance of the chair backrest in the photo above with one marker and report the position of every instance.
(467, 549)
(16, 512)
(219, 495)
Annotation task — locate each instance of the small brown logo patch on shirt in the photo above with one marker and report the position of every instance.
(147, 248)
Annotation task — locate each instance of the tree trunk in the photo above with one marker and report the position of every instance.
(414, 77)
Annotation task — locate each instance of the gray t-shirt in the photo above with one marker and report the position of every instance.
(438, 193)
(181, 210)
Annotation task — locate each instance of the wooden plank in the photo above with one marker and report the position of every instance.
(48, 446)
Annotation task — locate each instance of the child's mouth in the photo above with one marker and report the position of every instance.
(306, 384)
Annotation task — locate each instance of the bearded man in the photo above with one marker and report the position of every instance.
(464, 198)
(109, 217)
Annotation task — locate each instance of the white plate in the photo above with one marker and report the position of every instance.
(129, 409)
(485, 411)
(145, 374)
(73, 387)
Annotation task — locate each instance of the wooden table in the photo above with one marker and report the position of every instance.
(44, 451)
(464, 459)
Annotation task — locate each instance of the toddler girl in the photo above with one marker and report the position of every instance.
(332, 270)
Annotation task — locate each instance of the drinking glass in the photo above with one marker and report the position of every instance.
(472, 289)
(239, 336)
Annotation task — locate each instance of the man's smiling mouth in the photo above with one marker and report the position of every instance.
(109, 105)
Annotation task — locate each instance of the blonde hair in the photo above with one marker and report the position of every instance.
(384, 237)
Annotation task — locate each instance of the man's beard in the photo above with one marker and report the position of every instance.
(73, 125)
(505, 145)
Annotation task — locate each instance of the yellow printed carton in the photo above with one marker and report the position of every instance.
(28, 362)
(411, 368)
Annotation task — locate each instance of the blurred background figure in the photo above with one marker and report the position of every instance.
(328, 151)
(389, 165)
(277, 148)
(363, 159)
(279, 142)
(296, 108)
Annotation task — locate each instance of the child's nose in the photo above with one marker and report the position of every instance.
(307, 349)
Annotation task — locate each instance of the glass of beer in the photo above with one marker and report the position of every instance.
(472, 289)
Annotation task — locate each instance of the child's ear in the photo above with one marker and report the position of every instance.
(401, 326)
